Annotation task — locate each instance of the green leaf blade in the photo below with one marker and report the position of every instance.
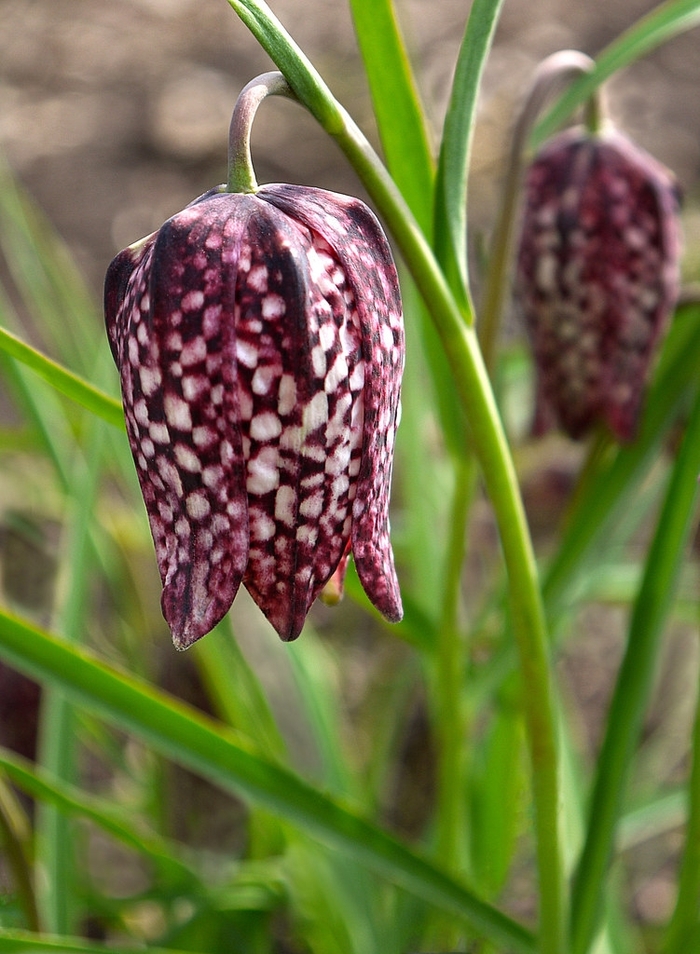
(63, 380)
(200, 744)
(400, 117)
(657, 27)
(455, 149)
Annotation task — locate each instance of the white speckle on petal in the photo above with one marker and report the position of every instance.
(150, 380)
(326, 335)
(159, 433)
(273, 306)
(193, 386)
(262, 527)
(141, 412)
(168, 472)
(177, 412)
(212, 476)
(257, 278)
(187, 459)
(192, 300)
(287, 395)
(337, 373)
(265, 427)
(203, 436)
(193, 351)
(246, 354)
(197, 505)
(262, 379)
(318, 360)
(311, 507)
(285, 499)
(263, 475)
(315, 412)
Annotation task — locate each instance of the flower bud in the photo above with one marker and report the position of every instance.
(259, 340)
(597, 277)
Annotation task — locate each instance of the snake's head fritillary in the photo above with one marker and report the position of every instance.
(259, 340)
(597, 277)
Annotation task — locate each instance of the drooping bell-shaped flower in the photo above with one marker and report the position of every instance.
(260, 345)
(597, 276)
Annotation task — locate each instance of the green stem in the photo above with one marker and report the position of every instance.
(450, 715)
(488, 440)
(632, 688)
(241, 174)
(57, 727)
(685, 916)
(14, 836)
(491, 448)
(448, 703)
(550, 74)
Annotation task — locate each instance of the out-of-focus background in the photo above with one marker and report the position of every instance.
(115, 115)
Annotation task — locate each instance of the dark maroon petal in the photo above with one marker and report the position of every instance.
(597, 276)
(116, 289)
(358, 243)
(178, 374)
(300, 365)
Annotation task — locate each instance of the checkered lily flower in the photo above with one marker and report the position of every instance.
(597, 277)
(259, 341)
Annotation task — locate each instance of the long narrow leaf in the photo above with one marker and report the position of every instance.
(63, 380)
(400, 117)
(72, 801)
(15, 941)
(633, 685)
(663, 23)
(202, 745)
(455, 149)
(685, 918)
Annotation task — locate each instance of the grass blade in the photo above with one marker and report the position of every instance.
(666, 21)
(455, 149)
(399, 114)
(685, 916)
(63, 380)
(46, 278)
(202, 745)
(633, 685)
(70, 800)
(15, 941)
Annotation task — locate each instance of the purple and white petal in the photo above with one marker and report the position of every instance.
(259, 340)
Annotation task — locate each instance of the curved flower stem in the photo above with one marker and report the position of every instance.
(488, 440)
(241, 174)
(551, 73)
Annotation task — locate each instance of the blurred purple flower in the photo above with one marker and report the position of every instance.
(597, 277)
(259, 340)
